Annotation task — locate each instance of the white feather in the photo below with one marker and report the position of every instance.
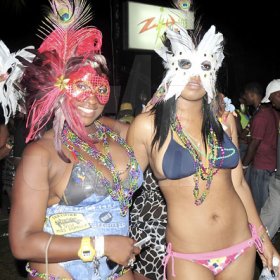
(11, 66)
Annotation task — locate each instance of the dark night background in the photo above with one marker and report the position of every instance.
(250, 29)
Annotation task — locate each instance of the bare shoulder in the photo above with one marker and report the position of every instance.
(230, 121)
(139, 137)
(36, 148)
(143, 124)
(43, 146)
(35, 156)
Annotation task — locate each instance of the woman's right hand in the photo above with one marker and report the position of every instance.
(120, 249)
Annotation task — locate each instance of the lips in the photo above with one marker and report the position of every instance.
(193, 85)
(87, 110)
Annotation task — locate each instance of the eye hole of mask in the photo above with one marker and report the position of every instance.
(184, 64)
(206, 66)
(102, 90)
(82, 86)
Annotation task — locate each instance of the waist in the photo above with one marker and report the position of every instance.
(196, 227)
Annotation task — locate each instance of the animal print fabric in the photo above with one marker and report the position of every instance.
(148, 216)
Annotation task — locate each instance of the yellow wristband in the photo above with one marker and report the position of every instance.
(86, 252)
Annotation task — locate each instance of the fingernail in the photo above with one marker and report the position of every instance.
(272, 273)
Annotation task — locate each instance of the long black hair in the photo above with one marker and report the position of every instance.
(165, 114)
(165, 111)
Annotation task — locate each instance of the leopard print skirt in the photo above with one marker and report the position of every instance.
(148, 216)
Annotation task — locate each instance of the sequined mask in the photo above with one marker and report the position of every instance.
(86, 82)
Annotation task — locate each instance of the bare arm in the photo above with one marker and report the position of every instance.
(30, 195)
(139, 138)
(240, 183)
(245, 195)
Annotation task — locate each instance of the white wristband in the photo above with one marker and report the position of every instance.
(245, 166)
(99, 246)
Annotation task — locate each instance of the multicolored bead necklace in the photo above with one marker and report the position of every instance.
(205, 173)
(34, 273)
(116, 190)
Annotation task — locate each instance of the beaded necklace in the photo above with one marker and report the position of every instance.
(205, 173)
(34, 273)
(115, 189)
(228, 152)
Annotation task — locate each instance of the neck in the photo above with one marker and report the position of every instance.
(189, 110)
(91, 128)
(257, 103)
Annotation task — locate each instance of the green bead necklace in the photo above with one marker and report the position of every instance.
(205, 173)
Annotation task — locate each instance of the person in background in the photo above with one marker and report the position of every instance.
(4, 151)
(243, 126)
(73, 187)
(212, 223)
(8, 168)
(5, 146)
(270, 212)
(261, 151)
(20, 133)
(126, 114)
(10, 99)
(252, 95)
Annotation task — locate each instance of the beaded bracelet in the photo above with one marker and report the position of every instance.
(266, 232)
(34, 273)
(117, 275)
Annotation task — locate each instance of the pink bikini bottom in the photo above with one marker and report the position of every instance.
(215, 261)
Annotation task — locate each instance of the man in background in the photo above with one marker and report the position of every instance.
(270, 212)
(261, 152)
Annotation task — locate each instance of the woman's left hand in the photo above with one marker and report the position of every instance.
(269, 251)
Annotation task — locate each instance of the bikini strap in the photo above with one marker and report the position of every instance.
(256, 238)
(169, 254)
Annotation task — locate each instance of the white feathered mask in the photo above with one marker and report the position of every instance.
(10, 70)
(185, 60)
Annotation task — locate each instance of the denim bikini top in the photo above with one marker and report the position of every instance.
(178, 162)
(85, 182)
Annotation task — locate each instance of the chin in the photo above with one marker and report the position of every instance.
(192, 97)
(88, 121)
(88, 118)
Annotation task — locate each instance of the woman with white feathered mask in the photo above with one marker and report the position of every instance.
(213, 228)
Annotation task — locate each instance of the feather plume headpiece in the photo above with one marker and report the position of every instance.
(11, 98)
(182, 60)
(68, 48)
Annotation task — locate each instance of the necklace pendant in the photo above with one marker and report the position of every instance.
(198, 202)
